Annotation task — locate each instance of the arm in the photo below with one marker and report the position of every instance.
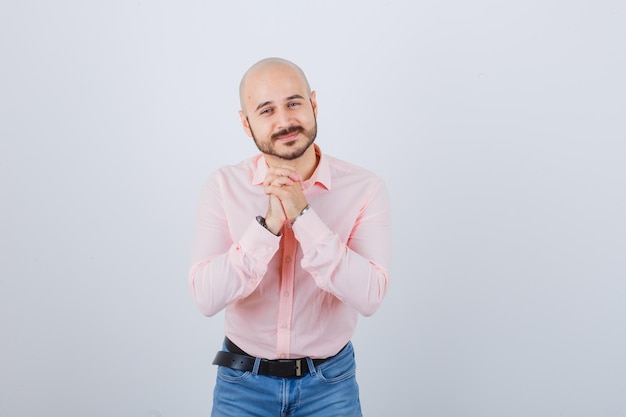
(222, 270)
(356, 272)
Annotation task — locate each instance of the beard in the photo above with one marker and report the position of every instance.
(268, 148)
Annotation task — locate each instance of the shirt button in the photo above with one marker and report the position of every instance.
(283, 326)
(288, 259)
(283, 356)
(286, 294)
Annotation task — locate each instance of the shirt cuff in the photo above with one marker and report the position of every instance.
(310, 229)
(259, 243)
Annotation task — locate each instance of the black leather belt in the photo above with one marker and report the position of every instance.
(283, 368)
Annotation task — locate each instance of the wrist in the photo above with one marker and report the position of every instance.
(262, 221)
(304, 210)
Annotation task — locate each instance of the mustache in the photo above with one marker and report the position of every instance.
(287, 131)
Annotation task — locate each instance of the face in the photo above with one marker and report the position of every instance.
(279, 113)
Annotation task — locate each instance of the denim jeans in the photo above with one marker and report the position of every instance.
(328, 390)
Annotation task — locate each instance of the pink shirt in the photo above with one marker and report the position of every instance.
(298, 294)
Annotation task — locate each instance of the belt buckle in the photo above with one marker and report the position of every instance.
(286, 367)
(298, 367)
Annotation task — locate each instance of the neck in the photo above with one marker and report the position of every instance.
(305, 164)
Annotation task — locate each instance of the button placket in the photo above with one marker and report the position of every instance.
(285, 309)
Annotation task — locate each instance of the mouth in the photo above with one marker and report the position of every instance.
(288, 138)
(287, 135)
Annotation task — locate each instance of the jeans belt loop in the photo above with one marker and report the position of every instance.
(255, 368)
(312, 368)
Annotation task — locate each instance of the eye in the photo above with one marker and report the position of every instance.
(293, 104)
(266, 111)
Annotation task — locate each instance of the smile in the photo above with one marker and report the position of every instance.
(288, 137)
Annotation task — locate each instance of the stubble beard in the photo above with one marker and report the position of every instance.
(268, 147)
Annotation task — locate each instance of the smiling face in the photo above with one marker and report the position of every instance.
(278, 109)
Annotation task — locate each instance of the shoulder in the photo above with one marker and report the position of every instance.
(244, 168)
(341, 168)
(235, 175)
(353, 181)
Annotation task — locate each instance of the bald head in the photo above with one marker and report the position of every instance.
(259, 74)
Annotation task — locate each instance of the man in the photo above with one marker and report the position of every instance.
(294, 244)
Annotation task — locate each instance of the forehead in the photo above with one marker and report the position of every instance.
(273, 83)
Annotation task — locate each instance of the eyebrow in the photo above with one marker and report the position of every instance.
(265, 103)
(294, 97)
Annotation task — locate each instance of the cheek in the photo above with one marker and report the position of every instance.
(260, 131)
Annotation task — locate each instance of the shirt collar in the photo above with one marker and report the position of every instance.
(320, 176)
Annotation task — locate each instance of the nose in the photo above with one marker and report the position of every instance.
(283, 118)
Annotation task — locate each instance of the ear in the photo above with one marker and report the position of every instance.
(245, 123)
(314, 103)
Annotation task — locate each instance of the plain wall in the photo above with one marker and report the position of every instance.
(498, 126)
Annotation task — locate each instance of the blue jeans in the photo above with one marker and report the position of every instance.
(327, 390)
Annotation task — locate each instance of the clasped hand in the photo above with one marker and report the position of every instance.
(283, 185)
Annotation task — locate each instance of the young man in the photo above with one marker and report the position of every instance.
(294, 244)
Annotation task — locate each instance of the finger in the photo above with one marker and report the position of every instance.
(285, 171)
(273, 174)
(277, 190)
(281, 181)
(278, 182)
(282, 192)
(272, 190)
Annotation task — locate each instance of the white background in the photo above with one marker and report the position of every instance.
(498, 126)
